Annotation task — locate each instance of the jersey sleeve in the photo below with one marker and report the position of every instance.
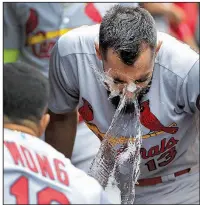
(12, 31)
(189, 93)
(64, 94)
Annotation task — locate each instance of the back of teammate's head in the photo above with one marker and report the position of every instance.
(25, 94)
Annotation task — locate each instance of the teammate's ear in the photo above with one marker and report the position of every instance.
(158, 46)
(98, 51)
(43, 123)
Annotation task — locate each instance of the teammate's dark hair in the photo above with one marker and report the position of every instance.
(125, 29)
(25, 92)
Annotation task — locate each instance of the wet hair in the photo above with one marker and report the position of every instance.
(25, 93)
(126, 29)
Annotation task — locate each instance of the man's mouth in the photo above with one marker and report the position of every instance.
(129, 107)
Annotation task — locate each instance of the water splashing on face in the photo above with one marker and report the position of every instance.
(119, 165)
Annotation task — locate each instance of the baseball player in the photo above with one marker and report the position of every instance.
(164, 73)
(31, 175)
(30, 32)
(32, 29)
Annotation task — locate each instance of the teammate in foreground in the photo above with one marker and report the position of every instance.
(34, 172)
(131, 51)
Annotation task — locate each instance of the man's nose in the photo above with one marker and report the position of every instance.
(130, 95)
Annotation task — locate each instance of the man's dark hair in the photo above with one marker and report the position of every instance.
(25, 92)
(125, 29)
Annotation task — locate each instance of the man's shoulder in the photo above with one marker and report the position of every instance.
(175, 55)
(79, 40)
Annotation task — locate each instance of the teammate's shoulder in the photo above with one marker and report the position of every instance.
(80, 175)
(78, 40)
(175, 55)
(89, 186)
(13, 135)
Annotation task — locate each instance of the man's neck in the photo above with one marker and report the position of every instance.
(20, 128)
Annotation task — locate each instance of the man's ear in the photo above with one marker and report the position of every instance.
(44, 123)
(158, 46)
(98, 51)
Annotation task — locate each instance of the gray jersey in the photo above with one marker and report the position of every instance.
(171, 104)
(34, 28)
(36, 173)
